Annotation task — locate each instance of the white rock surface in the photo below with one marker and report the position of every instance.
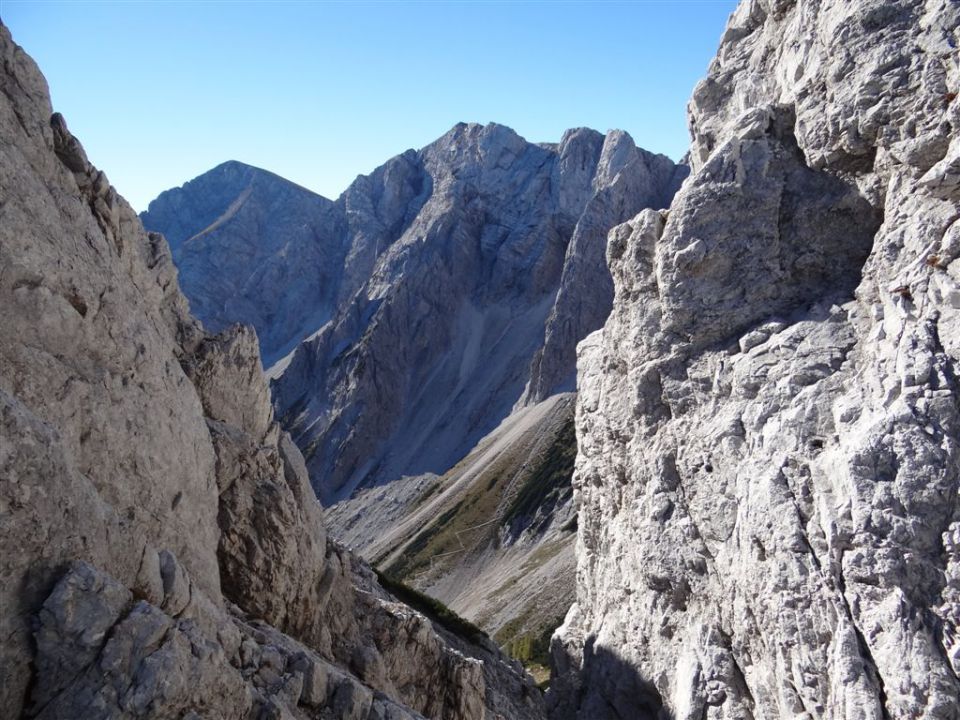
(768, 422)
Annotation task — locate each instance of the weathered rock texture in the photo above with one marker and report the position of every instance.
(161, 551)
(466, 247)
(768, 422)
(624, 177)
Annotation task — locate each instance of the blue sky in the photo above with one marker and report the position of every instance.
(319, 92)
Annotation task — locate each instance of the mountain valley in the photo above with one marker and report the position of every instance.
(508, 430)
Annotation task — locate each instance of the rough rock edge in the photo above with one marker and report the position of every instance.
(769, 500)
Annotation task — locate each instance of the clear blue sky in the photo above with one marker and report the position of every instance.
(319, 92)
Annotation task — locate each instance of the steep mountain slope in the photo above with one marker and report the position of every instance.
(252, 247)
(161, 552)
(435, 349)
(492, 538)
(470, 270)
(585, 294)
(768, 422)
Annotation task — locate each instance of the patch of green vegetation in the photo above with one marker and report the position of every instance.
(412, 558)
(433, 609)
(530, 648)
(551, 478)
(509, 583)
(506, 634)
(463, 527)
(427, 494)
(449, 514)
(540, 674)
(477, 506)
(541, 555)
(398, 568)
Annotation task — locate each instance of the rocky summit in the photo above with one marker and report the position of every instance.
(162, 554)
(768, 422)
(452, 326)
(435, 295)
(252, 247)
(429, 402)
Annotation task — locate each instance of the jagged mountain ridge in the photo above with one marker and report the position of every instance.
(266, 251)
(488, 266)
(439, 344)
(478, 239)
(161, 552)
(768, 421)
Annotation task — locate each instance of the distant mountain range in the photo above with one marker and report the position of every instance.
(422, 334)
(749, 508)
(405, 320)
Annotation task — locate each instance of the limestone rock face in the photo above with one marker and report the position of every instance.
(161, 552)
(468, 272)
(252, 247)
(768, 422)
(466, 245)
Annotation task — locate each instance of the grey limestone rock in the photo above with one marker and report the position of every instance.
(627, 179)
(768, 421)
(252, 247)
(445, 288)
(443, 336)
(161, 552)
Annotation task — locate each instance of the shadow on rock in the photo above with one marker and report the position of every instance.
(608, 687)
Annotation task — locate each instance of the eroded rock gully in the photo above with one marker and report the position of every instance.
(768, 422)
(161, 551)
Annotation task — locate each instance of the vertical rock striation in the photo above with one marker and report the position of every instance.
(768, 422)
(438, 344)
(626, 178)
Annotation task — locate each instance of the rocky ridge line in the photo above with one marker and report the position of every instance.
(449, 330)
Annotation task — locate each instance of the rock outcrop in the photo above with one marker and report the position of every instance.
(161, 551)
(625, 177)
(463, 276)
(768, 422)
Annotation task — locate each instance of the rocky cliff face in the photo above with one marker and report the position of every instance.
(461, 278)
(472, 267)
(768, 422)
(436, 347)
(161, 551)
